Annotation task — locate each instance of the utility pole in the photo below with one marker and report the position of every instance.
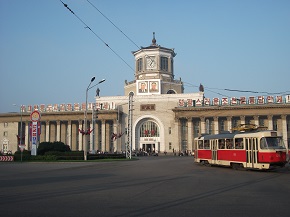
(129, 142)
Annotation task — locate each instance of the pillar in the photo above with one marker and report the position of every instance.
(92, 136)
(284, 129)
(103, 135)
(116, 130)
(57, 130)
(202, 125)
(229, 120)
(270, 122)
(189, 134)
(27, 144)
(243, 119)
(256, 120)
(80, 137)
(69, 134)
(47, 131)
(216, 125)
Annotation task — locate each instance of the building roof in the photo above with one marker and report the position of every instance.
(155, 46)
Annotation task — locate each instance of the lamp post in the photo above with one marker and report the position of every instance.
(20, 140)
(86, 112)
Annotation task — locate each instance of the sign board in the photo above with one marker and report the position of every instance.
(22, 147)
(35, 118)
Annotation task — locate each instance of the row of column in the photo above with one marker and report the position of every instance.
(68, 132)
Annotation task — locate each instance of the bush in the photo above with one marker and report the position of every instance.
(26, 155)
(105, 156)
(52, 147)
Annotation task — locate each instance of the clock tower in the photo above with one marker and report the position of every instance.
(154, 71)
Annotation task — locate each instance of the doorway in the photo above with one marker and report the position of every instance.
(149, 148)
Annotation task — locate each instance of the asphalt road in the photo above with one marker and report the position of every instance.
(151, 186)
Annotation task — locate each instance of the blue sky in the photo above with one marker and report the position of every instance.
(48, 57)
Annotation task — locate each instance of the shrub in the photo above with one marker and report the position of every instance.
(26, 155)
(52, 146)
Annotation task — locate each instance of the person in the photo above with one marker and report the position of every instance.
(98, 92)
(153, 87)
(143, 88)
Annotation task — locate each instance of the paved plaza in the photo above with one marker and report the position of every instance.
(150, 186)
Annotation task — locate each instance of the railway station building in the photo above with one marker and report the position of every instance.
(153, 115)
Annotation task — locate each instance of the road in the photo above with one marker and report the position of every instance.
(150, 186)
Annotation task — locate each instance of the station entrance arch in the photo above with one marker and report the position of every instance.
(148, 135)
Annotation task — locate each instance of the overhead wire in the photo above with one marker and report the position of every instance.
(87, 27)
(113, 23)
(241, 91)
(208, 88)
(140, 48)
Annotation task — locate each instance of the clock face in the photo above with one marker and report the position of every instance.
(151, 63)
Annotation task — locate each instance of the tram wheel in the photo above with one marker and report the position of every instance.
(235, 166)
(207, 164)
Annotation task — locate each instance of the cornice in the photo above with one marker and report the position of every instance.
(239, 107)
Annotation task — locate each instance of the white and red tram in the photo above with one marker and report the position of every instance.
(250, 150)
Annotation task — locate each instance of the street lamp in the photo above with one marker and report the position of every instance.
(86, 112)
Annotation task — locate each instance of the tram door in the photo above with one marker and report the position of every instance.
(214, 151)
(252, 150)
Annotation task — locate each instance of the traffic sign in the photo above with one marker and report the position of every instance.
(22, 147)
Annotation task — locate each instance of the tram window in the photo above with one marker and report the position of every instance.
(263, 143)
(239, 143)
(200, 144)
(271, 142)
(221, 143)
(229, 143)
(206, 144)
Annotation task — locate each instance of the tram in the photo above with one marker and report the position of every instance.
(247, 148)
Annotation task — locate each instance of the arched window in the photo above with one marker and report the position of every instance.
(149, 129)
(170, 92)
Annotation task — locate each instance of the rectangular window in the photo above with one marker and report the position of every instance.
(170, 146)
(239, 143)
(5, 133)
(206, 144)
(200, 144)
(169, 130)
(164, 63)
(275, 124)
(140, 64)
(221, 143)
(261, 122)
(222, 125)
(5, 124)
(234, 123)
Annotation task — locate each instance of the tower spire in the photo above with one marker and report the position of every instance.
(154, 40)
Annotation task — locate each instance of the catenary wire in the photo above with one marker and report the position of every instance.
(140, 48)
(87, 27)
(208, 88)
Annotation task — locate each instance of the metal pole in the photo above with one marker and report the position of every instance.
(85, 130)
(86, 113)
(93, 129)
(21, 132)
(20, 139)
